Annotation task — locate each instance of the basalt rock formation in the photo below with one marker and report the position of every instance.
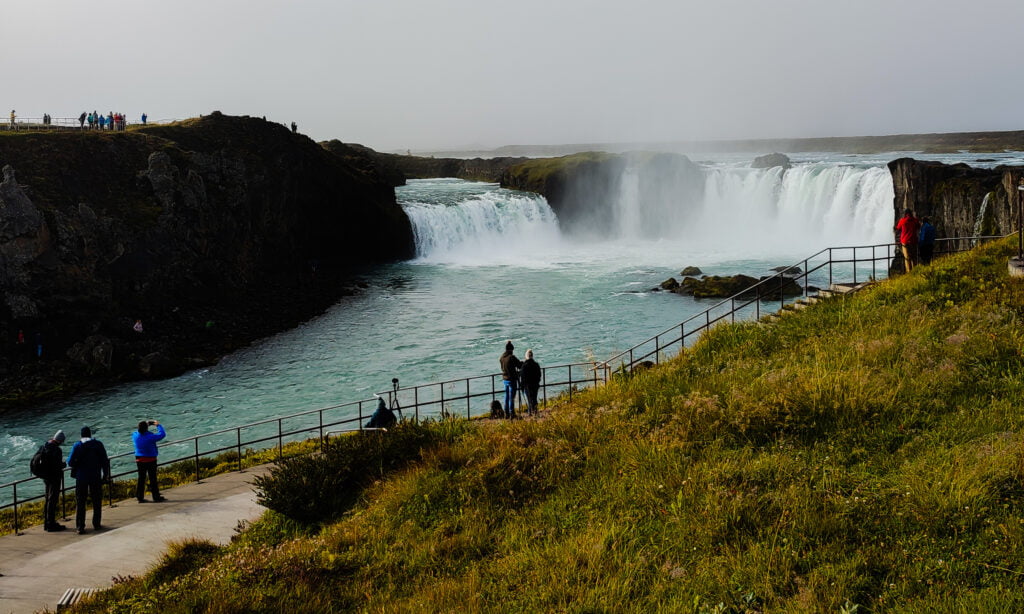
(961, 200)
(212, 232)
(398, 168)
(771, 161)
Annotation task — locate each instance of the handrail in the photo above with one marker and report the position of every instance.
(553, 381)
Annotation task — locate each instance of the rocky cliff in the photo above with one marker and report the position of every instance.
(398, 168)
(961, 200)
(212, 232)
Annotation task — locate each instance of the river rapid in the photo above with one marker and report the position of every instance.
(491, 265)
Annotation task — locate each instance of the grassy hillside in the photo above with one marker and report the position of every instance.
(863, 455)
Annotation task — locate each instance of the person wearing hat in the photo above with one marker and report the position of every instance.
(145, 458)
(510, 375)
(52, 473)
(90, 467)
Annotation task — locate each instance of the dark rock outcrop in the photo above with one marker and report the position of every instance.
(214, 232)
(397, 168)
(716, 286)
(690, 271)
(771, 161)
(961, 200)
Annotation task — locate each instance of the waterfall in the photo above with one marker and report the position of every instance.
(804, 208)
(979, 222)
(480, 223)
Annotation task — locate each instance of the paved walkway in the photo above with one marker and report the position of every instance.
(37, 567)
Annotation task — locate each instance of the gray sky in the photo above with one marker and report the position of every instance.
(421, 74)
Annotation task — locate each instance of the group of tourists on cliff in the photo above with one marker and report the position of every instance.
(90, 467)
(917, 239)
(112, 121)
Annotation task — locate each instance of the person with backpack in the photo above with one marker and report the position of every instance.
(145, 459)
(90, 467)
(510, 376)
(48, 465)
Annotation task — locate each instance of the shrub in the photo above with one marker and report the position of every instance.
(316, 488)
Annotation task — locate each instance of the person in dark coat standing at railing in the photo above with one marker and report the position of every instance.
(145, 458)
(510, 376)
(926, 241)
(530, 375)
(51, 470)
(90, 467)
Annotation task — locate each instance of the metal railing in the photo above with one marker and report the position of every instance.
(462, 396)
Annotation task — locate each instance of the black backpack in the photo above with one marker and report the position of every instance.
(38, 463)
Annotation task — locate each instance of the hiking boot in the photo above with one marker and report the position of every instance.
(54, 527)
(81, 530)
(159, 499)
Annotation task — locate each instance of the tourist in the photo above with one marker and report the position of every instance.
(39, 345)
(145, 458)
(926, 241)
(295, 127)
(496, 410)
(81, 121)
(144, 116)
(50, 468)
(530, 375)
(12, 119)
(90, 467)
(382, 417)
(510, 375)
(110, 120)
(908, 227)
(101, 122)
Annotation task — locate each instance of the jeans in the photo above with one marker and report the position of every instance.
(147, 469)
(510, 398)
(85, 493)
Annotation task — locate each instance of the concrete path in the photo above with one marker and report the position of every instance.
(37, 567)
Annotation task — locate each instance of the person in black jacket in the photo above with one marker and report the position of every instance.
(90, 467)
(53, 472)
(510, 376)
(530, 375)
(382, 418)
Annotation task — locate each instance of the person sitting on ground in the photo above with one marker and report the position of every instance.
(496, 410)
(382, 417)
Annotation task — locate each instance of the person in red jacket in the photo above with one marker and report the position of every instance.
(908, 227)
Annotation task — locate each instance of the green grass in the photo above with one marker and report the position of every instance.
(862, 455)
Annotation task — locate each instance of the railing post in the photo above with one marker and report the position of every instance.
(467, 399)
(682, 337)
(321, 416)
(657, 350)
(280, 443)
(830, 281)
(238, 446)
(441, 386)
(855, 266)
(15, 485)
(570, 381)
(544, 384)
(415, 402)
(196, 440)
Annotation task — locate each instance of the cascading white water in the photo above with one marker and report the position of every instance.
(805, 208)
(484, 224)
(747, 212)
(979, 222)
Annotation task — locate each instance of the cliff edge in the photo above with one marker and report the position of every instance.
(211, 232)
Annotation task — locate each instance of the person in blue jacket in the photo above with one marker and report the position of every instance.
(926, 241)
(145, 458)
(90, 466)
(382, 418)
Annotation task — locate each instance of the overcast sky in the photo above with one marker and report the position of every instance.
(429, 75)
